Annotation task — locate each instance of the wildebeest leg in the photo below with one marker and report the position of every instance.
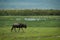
(15, 29)
(19, 30)
(22, 30)
(11, 29)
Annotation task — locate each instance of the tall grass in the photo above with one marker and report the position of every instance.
(44, 21)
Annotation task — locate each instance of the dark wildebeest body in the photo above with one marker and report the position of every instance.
(18, 25)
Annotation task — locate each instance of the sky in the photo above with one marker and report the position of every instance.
(30, 4)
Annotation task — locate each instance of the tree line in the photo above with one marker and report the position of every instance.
(28, 12)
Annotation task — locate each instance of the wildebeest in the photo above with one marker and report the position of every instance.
(18, 25)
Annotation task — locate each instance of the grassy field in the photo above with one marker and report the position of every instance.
(45, 28)
(31, 33)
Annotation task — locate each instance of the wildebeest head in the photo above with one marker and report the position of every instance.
(22, 25)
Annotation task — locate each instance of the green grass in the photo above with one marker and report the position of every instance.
(31, 33)
(51, 21)
(47, 29)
